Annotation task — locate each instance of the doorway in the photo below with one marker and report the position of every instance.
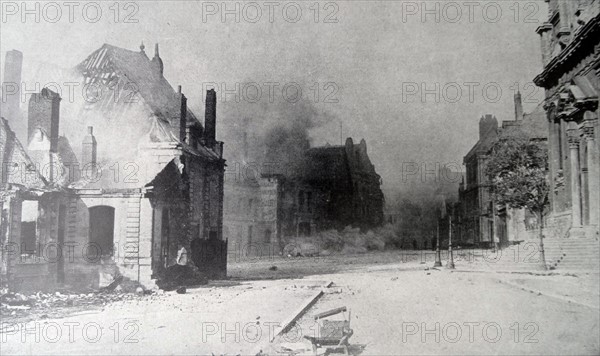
(102, 230)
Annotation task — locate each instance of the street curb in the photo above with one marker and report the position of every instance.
(532, 272)
(394, 268)
(539, 292)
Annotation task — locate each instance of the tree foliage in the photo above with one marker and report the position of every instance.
(517, 172)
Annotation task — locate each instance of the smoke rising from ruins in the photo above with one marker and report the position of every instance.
(275, 133)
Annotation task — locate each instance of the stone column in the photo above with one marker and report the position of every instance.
(145, 243)
(584, 187)
(575, 179)
(553, 158)
(590, 122)
(544, 32)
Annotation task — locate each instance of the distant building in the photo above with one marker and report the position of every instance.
(331, 188)
(516, 225)
(336, 187)
(571, 57)
(133, 177)
(476, 226)
(249, 220)
(250, 201)
(479, 220)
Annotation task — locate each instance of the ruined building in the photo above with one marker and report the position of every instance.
(113, 186)
(330, 187)
(334, 187)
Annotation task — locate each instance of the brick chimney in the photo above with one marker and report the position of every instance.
(179, 122)
(44, 110)
(157, 61)
(518, 106)
(11, 92)
(88, 150)
(210, 117)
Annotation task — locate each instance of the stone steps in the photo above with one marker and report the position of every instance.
(573, 254)
(523, 258)
(561, 254)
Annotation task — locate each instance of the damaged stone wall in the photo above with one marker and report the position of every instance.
(130, 256)
(32, 265)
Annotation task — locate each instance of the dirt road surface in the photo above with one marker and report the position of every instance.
(397, 307)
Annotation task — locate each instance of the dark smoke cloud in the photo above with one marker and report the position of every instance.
(274, 133)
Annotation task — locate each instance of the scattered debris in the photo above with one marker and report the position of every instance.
(334, 291)
(113, 285)
(295, 348)
(273, 268)
(180, 275)
(19, 307)
(46, 304)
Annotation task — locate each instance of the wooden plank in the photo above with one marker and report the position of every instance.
(330, 312)
(308, 303)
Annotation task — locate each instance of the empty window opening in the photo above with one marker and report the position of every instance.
(29, 217)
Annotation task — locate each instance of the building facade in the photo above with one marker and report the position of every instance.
(570, 41)
(481, 221)
(335, 187)
(474, 194)
(328, 187)
(250, 216)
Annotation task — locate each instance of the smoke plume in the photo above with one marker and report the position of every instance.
(264, 133)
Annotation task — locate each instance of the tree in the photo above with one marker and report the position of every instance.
(517, 171)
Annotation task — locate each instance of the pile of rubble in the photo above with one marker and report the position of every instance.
(16, 304)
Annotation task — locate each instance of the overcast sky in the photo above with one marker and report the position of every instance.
(372, 57)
